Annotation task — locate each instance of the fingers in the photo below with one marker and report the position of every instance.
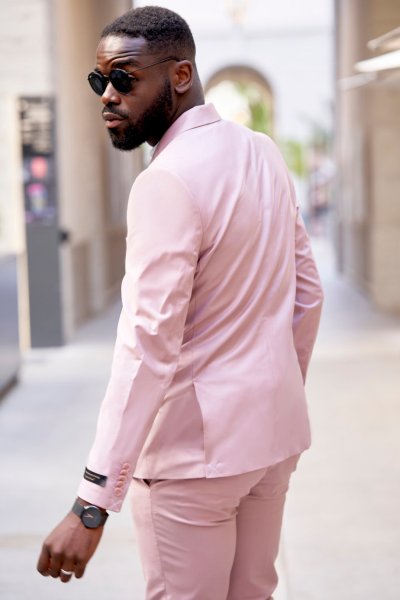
(44, 561)
(68, 549)
(65, 576)
(67, 570)
(56, 565)
(80, 569)
(71, 567)
(49, 562)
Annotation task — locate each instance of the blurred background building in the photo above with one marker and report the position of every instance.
(268, 65)
(368, 147)
(63, 190)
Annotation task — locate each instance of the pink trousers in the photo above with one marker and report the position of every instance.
(211, 539)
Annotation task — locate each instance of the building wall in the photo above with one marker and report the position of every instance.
(289, 45)
(368, 146)
(25, 70)
(48, 48)
(92, 258)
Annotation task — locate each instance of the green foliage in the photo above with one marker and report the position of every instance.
(295, 155)
(260, 118)
(260, 111)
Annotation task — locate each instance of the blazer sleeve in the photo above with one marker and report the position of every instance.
(163, 242)
(309, 297)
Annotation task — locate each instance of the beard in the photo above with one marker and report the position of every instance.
(152, 124)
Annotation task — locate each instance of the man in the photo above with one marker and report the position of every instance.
(204, 415)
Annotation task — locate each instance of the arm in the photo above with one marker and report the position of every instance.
(309, 297)
(308, 294)
(164, 236)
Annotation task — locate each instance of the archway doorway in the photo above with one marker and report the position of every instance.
(243, 95)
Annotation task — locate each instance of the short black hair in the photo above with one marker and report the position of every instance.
(164, 30)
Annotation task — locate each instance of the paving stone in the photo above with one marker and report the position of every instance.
(342, 526)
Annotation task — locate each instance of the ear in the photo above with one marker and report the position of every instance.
(183, 76)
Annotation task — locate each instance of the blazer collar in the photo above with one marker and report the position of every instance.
(195, 117)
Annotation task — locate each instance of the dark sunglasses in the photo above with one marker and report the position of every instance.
(121, 80)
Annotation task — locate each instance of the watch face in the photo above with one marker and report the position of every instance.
(92, 517)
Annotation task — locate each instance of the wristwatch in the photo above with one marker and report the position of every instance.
(90, 515)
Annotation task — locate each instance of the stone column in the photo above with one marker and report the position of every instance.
(368, 151)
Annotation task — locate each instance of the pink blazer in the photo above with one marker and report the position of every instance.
(221, 305)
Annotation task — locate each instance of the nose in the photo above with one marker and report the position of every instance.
(110, 95)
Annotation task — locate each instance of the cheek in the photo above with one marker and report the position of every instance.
(135, 106)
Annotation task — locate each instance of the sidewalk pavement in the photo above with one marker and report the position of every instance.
(342, 526)
(341, 537)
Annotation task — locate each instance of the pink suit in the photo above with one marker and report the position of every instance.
(221, 305)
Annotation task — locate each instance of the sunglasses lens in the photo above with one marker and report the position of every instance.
(97, 82)
(121, 81)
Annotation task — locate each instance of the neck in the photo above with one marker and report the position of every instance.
(194, 97)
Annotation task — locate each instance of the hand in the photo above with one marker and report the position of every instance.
(69, 546)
